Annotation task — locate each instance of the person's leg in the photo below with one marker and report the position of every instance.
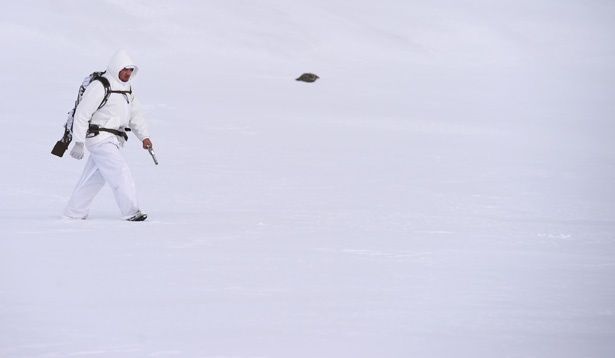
(87, 187)
(114, 169)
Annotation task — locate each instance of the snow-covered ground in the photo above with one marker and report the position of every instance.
(444, 190)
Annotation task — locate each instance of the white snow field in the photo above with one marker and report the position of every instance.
(446, 189)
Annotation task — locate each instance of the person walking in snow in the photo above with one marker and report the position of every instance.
(102, 130)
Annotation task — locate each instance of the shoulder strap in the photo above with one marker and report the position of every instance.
(107, 86)
(108, 90)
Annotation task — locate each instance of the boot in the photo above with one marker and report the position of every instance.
(139, 216)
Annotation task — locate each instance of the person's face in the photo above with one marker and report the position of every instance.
(125, 74)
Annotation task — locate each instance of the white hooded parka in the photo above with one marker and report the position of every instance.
(121, 111)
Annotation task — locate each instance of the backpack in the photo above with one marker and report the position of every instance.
(62, 145)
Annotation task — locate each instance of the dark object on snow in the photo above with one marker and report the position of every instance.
(308, 77)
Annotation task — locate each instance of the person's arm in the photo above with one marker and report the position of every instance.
(138, 125)
(91, 99)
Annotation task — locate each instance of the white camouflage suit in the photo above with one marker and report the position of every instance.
(106, 164)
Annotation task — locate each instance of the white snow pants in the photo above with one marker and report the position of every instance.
(106, 164)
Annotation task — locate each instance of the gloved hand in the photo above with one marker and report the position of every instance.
(78, 150)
